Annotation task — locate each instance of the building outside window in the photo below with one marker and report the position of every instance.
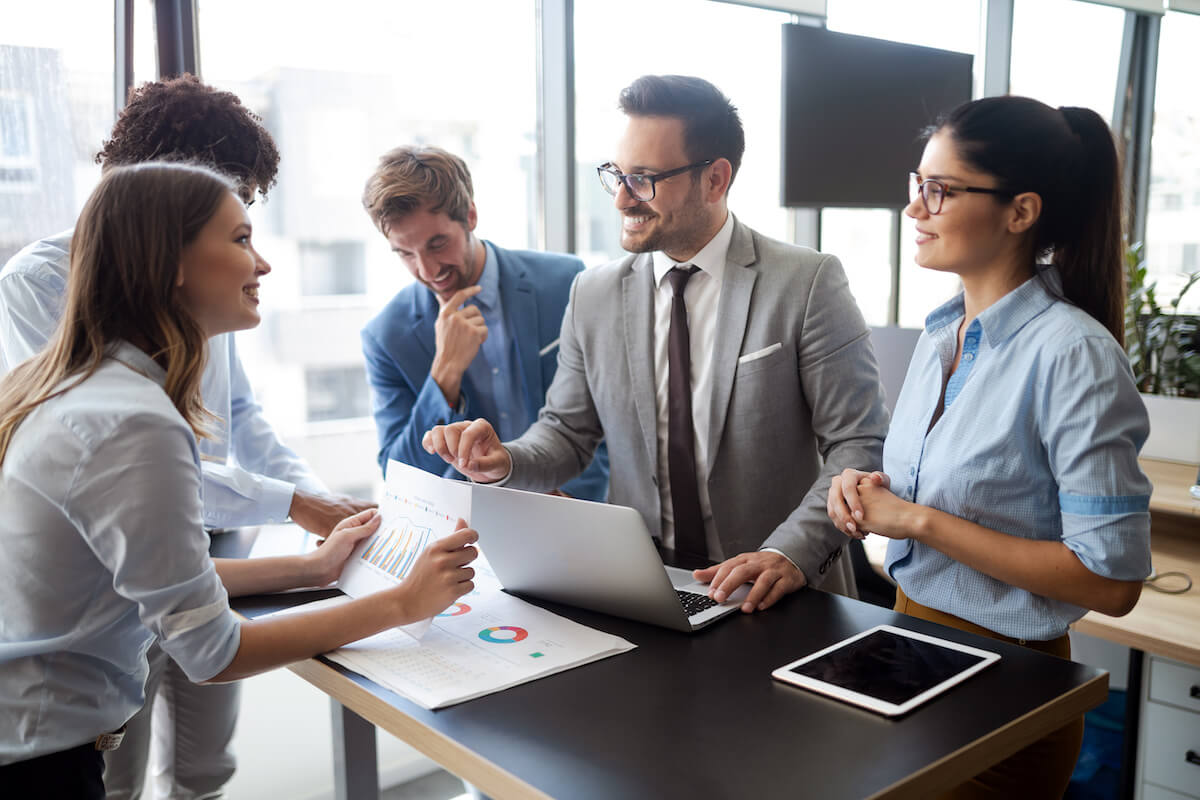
(332, 268)
(335, 393)
(1173, 216)
(56, 107)
(384, 74)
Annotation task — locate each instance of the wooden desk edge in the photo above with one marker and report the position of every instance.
(463, 762)
(451, 755)
(1114, 631)
(967, 762)
(1171, 480)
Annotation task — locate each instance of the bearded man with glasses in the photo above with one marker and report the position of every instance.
(730, 374)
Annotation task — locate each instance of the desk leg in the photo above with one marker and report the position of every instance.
(355, 769)
(1133, 711)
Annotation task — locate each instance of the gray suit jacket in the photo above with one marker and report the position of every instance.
(783, 424)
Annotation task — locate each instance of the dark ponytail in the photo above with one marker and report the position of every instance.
(1067, 156)
(1088, 250)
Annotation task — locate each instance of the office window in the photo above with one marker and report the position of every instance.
(1067, 53)
(56, 106)
(329, 268)
(678, 38)
(862, 237)
(1173, 217)
(337, 89)
(946, 24)
(18, 157)
(336, 393)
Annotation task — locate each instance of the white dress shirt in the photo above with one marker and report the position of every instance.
(249, 475)
(104, 552)
(702, 295)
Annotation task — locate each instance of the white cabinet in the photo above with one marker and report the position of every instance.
(1168, 761)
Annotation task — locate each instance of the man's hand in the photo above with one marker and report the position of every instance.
(773, 576)
(473, 448)
(319, 513)
(459, 332)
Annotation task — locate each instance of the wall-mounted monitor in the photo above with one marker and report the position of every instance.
(853, 111)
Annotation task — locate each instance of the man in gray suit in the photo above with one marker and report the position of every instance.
(731, 375)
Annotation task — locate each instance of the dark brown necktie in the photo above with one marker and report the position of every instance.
(681, 437)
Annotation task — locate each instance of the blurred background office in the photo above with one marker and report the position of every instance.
(525, 91)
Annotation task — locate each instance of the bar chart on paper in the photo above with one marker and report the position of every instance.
(417, 510)
(394, 550)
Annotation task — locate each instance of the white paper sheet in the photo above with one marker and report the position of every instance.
(418, 508)
(486, 642)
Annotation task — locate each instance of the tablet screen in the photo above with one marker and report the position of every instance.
(887, 669)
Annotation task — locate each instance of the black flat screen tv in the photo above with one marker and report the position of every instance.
(853, 112)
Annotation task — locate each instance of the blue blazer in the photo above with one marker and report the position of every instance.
(399, 346)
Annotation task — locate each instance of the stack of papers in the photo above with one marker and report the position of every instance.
(485, 642)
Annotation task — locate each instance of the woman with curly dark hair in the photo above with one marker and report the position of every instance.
(182, 119)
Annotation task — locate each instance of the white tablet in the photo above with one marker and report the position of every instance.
(886, 669)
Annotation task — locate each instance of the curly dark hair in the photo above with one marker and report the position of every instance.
(182, 119)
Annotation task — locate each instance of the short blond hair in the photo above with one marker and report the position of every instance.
(410, 178)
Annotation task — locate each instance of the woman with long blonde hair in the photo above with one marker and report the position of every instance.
(100, 508)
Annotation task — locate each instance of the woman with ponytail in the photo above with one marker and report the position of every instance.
(100, 507)
(1011, 490)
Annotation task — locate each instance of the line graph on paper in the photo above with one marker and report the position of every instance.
(395, 549)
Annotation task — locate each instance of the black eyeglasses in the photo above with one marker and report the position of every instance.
(639, 186)
(933, 192)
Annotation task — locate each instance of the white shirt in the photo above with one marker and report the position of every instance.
(249, 475)
(104, 551)
(702, 295)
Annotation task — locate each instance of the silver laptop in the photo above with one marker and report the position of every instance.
(591, 555)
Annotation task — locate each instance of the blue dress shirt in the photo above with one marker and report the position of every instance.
(249, 475)
(1039, 439)
(104, 552)
(500, 397)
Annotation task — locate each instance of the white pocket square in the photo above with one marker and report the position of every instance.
(757, 354)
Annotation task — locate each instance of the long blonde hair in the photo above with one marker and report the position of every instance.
(125, 258)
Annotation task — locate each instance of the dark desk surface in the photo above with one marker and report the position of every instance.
(699, 715)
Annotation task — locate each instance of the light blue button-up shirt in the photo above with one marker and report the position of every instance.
(1039, 439)
(249, 476)
(103, 551)
(493, 372)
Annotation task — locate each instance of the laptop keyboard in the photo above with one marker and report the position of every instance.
(694, 603)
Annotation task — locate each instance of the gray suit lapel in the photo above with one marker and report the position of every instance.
(733, 311)
(637, 307)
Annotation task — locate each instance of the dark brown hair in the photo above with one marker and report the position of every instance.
(1068, 157)
(711, 125)
(182, 119)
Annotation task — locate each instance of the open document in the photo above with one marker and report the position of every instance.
(418, 508)
(486, 642)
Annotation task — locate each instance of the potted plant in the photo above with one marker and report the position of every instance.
(1164, 351)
